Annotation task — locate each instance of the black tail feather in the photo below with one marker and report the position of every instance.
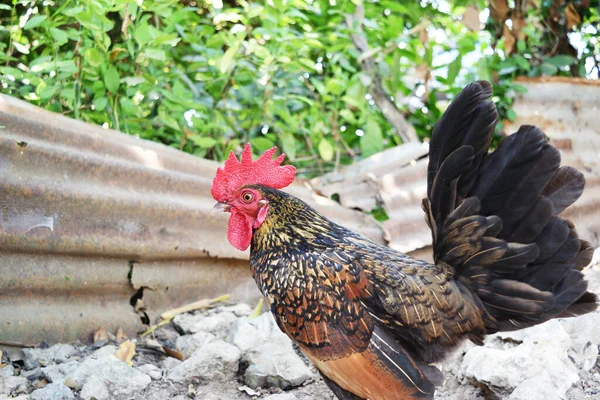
(495, 217)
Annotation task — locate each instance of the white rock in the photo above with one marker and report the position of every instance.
(53, 391)
(21, 397)
(57, 373)
(108, 350)
(58, 353)
(585, 339)
(215, 361)
(537, 388)
(240, 310)
(216, 323)
(281, 396)
(151, 370)
(108, 377)
(272, 361)
(188, 344)
(543, 350)
(12, 384)
(8, 370)
(169, 363)
(95, 389)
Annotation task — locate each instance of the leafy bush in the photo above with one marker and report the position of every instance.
(206, 77)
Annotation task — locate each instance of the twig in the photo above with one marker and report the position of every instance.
(198, 305)
(16, 344)
(155, 327)
(381, 98)
(167, 316)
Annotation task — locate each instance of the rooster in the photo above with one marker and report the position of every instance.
(372, 319)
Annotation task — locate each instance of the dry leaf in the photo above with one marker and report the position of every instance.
(120, 335)
(424, 36)
(173, 353)
(471, 18)
(422, 72)
(509, 40)
(116, 51)
(573, 17)
(518, 30)
(100, 334)
(126, 352)
(499, 10)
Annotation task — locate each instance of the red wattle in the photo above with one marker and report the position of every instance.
(240, 230)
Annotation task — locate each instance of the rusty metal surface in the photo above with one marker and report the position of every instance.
(566, 109)
(89, 216)
(395, 179)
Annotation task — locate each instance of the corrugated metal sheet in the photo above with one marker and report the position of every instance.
(89, 216)
(397, 179)
(567, 110)
(394, 179)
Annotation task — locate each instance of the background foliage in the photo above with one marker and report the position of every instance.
(206, 76)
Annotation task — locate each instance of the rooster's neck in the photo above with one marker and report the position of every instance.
(291, 226)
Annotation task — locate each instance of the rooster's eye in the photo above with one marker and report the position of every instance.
(247, 197)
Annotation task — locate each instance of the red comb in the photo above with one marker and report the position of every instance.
(264, 171)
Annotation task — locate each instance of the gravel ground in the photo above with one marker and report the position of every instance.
(229, 354)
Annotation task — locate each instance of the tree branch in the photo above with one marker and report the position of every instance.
(367, 62)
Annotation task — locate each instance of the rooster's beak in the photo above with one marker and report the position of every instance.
(221, 207)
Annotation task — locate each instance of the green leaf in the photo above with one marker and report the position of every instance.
(372, 141)
(379, 214)
(348, 116)
(288, 143)
(326, 150)
(48, 92)
(261, 144)
(511, 115)
(549, 69)
(59, 36)
(319, 86)
(34, 22)
(100, 103)
(111, 80)
(143, 34)
(334, 87)
(522, 62)
(73, 11)
(134, 80)
(562, 60)
(226, 62)
(453, 70)
(519, 88)
(203, 142)
(93, 57)
(128, 107)
(21, 48)
(156, 54)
